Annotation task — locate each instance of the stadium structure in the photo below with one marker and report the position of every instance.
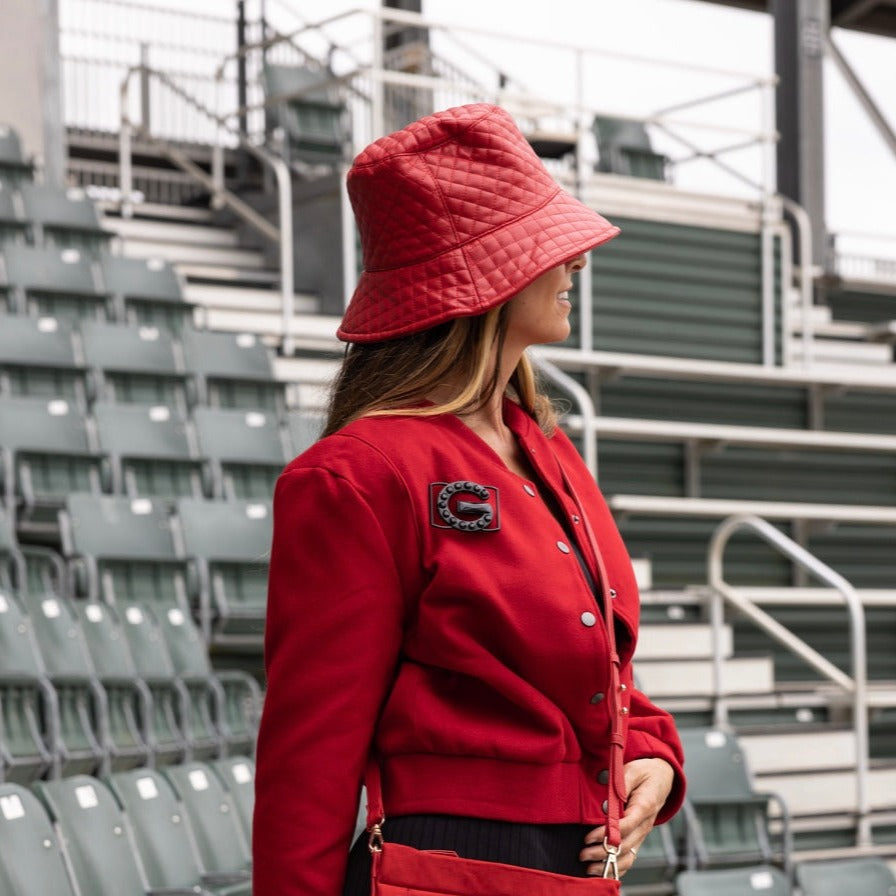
(176, 248)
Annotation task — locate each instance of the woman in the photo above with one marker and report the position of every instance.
(434, 599)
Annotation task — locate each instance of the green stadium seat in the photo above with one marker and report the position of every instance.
(122, 550)
(231, 370)
(657, 862)
(312, 117)
(859, 876)
(237, 773)
(52, 282)
(624, 147)
(147, 292)
(14, 167)
(170, 726)
(762, 880)
(727, 821)
(38, 360)
(98, 840)
(47, 451)
(32, 862)
(133, 365)
(27, 699)
(128, 697)
(213, 818)
(225, 704)
(165, 841)
(63, 218)
(150, 451)
(304, 430)
(247, 450)
(13, 227)
(80, 698)
(228, 544)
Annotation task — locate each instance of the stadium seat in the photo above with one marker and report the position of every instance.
(247, 450)
(128, 697)
(312, 117)
(150, 451)
(657, 862)
(624, 147)
(14, 167)
(52, 282)
(164, 838)
(47, 451)
(63, 218)
(765, 880)
(237, 773)
(213, 818)
(860, 876)
(726, 821)
(31, 858)
(38, 360)
(227, 544)
(98, 840)
(28, 722)
(146, 292)
(169, 730)
(13, 227)
(133, 365)
(122, 550)
(225, 704)
(231, 370)
(83, 746)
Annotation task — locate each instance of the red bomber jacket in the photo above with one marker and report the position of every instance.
(473, 658)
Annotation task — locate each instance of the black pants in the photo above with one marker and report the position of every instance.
(546, 847)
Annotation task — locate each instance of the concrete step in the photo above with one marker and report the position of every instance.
(159, 211)
(144, 230)
(309, 331)
(226, 274)
(830, 792)
(694, 678)
(799, 751)
(186, 253)
(244, 298)
(842, 351)
(657, 641)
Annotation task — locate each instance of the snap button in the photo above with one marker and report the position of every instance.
(575, 519)
(529, 490)
(612, 592)
(604, 777)
(596, 698)
(588, 618)
(563, 546)
(605, 806)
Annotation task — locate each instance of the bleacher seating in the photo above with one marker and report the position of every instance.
(861, 876)
(764, 879)
(13, 164)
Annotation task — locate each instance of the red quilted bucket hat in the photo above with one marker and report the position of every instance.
(456, 214)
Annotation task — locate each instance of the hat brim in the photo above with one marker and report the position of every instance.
(472, 278)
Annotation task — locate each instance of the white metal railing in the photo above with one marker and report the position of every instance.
(855, 686)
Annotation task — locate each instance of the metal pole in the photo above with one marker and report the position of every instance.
(144, 87)
(125, 182)
(287, 288)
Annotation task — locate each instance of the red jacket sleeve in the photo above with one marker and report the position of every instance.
(333, 634)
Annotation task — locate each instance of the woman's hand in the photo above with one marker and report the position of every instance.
(647, 783)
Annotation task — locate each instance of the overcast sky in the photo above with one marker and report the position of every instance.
(861, 171)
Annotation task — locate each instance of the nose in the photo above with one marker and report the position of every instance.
(576, 264)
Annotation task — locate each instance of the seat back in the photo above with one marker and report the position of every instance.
(31, 858)
(213, 819)
(303, 429)
(247, 449)
(237, 773)
(37, 359)
(151, 450)
(164, 840)
(231, 370)
(97, 837)
(624, 147)
(66, 218)
(763, 880)
(861, 876)
(13, 164)
(147, 291)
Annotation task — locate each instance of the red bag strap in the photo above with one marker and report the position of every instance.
(616, 789)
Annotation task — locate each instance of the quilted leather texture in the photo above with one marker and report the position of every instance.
(456, 214)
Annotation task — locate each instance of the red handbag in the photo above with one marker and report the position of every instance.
(399, 870)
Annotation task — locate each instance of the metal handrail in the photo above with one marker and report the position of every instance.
(282, 236)
(856, 686)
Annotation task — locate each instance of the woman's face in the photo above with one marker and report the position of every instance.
(540, 313)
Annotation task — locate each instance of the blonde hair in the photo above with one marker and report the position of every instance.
(394, 377)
